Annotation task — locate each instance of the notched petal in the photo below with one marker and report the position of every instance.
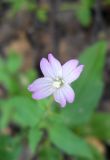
(68, 93)
(56, 65)
(72, 75)
(46, 68)
(59, 98)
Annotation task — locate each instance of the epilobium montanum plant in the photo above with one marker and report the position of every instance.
(57, 79)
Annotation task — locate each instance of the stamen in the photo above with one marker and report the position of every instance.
(58, 83)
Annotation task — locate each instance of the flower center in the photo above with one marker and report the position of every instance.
(58, 83)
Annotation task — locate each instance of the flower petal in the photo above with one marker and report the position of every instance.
(59, 97)
(43, 92)
(56, 65)
(68, 93)
(40, 83)
(46, 68)
(68, 67)
(72, 75)
(42, 88)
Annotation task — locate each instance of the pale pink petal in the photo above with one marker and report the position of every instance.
(69, 66)
(59, 97)
(69, 77)
(40, 83)
(56, 65)
(68, 93)
(43, 92)
(46, 68)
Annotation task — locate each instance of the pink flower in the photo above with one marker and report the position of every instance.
(57, 79)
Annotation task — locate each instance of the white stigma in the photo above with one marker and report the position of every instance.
(58, 83)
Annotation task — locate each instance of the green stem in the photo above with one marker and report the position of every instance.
(49, 107)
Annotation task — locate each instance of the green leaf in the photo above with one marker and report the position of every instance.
(28, 112)
(25, 111)
(83, 12)
(48, 152)
(99, 126)
(2, 65)
(68, 142)
(31, 75)
(9, 148)
(84, 15)
(10, 83)
(88, 87)
(5, 79)
(96, 154)
(34, 138)
(42, 15)
(17, 5)
(22, 4)
(14, 62)
(6, 115)
(106, 2)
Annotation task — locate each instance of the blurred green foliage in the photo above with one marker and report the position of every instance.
(102, 132)
(69, 142)
(106, 2)
(59, 129)
(51, 132)
(17, 5)
(41, 13)
(9, 148)
(84, 12)
(83, 9)
(89, 87)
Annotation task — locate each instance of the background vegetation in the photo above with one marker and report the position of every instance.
(41, 130)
